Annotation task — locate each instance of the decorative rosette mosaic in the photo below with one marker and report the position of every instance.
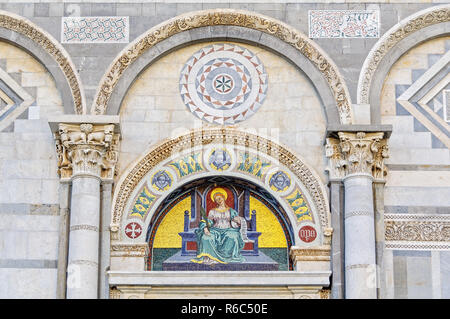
(223, 83)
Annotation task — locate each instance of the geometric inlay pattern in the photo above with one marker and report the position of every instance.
(14, 100)
(223, 83)
(424, 99)
(344, 23)
(95, 30)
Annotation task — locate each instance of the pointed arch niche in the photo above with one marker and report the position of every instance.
(163, 192)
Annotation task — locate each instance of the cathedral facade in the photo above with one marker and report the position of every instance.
(268, 149)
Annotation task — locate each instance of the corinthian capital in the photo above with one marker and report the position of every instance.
(357, 153)
(86, 149)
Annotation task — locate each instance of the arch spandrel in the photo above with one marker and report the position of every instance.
(48, 51)
(411, 31)
(190, 157)
(265, 26)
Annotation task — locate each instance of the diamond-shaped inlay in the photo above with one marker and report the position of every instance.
(426, 99)
(14, 100)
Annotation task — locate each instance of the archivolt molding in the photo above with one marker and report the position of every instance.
(250, 142)
(230, 17)
(53, 48)
(403, 29)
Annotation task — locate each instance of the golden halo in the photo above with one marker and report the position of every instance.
(218, 190)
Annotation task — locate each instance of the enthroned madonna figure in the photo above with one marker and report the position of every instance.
(219, 239)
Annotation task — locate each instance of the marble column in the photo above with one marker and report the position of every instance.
(105, 238)
(337, 243)
(64, 222)
(357, 158)
(86, 155)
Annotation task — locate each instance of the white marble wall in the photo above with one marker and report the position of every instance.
(29, 220)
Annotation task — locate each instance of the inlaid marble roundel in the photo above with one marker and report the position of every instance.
(223, 83)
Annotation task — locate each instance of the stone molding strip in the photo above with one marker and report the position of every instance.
(358, 213)
(192, 20)
(417, 230)
(83, 263)
(28, 263)
(129, 250)
(403, 29)
(358, 266)
(25, 27)
(417, 217)
(84, 227)
(416, 246)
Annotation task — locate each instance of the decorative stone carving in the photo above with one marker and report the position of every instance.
(417, 231)
(311, 258)
(336, 163)
(53, 48)
(357, 153)
(230, 17)
(325, 293)
(114, 293)
(405, 28)
(86, 149)
(129, 250)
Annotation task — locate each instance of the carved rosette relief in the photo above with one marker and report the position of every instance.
(357, 153)
(86, 149)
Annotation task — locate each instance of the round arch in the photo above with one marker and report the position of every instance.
(409, 32)
(230, 25)
(191, 191)
(47, 50)
(250, 157)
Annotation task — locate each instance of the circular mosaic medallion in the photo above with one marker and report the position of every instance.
(307, 234)
(133, 230)
(161, 180)
(279, 181)
(219, 159)
(223, 83)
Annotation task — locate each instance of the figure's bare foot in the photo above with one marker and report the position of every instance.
(209, 261)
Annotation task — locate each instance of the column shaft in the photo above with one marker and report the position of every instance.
(105, 239)
(337, 243)
(360, 260)
(82, 281)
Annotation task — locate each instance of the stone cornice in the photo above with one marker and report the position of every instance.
(316, 253)
(357, 153)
